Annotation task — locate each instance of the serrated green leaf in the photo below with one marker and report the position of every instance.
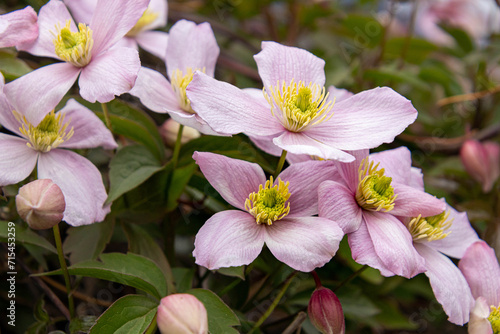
(221, 319)
(130, 167)
(180, 178)
(129, 314)
(24, 235)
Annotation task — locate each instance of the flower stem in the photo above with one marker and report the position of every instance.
(64, 268)
(274, 303)
(106, 116)
(152, 326)
(280, 164)
(316, 279)
(177, 147)
(353, 275)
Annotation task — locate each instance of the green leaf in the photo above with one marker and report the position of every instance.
(221, 318)
(233, 272)
(24, 235)
(87, 242)
(141, 242)
(130, 167)
(382, 75)
(11, 66)
(129, 269)
(129, 314)
(183, 278)
(417, 49)
(42, 318)
(180, 178)
(135, 124)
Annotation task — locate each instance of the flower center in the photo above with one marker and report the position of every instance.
(297, 106)
(494, 319)
(49, 134)
(269, 203)
(374, 192)
(430, 228)
(74, 47)
(146, 19)
(179, 82)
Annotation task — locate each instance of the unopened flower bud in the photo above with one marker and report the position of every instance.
(170, 129)
(182, 313)
(325, 312)
(482, 162)
(41, 204)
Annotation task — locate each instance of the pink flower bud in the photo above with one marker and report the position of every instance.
(182, 313)
(169, 131)
(41, 204)
(325, 312)
(482, 162)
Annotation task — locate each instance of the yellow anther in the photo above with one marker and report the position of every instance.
(430, 228)
(494, 319)
(269, 204)
(179, 82)
(145, 20)
(74, 47)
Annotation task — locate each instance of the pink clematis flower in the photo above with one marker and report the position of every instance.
(86, 51)
(73, 127)
(481, 161)
(365, 198)
(276, 213)
(480, 267)
(298, 114)
(190, 48)
(141, 34)
(18, 27)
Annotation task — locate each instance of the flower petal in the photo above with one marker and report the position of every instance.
(301, 143)
(18, 27)
(81, 10)
(303, 243)
(159, 7)
(111, 73)
(350, 171)
(417, 179)
(112, 19)
(154, 42)
(194, 121)
(411, 202)
(234, 179)
(228, 239)
(479, 323)
(365, 120)
(7, 118)
(80, 182)
(305, 179)
(193, 46)
(481, 270)
(37, 93)
(338, 203)
(278, 62)
(393, 244)
(89, 130)
(228, 109)
(266, 144)
(461, 236)
(449, 285)
(396, 162)
(339, 94)
(17, 160)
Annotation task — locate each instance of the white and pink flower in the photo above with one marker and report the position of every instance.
(18, 27)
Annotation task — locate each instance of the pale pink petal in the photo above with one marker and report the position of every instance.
(303, 243)
(228, 239)
(37, 93)
(493, 152)
(258, 95)
(53, 14)
(7, 119)
(365, 120)
(159, 7)
(479, 323)
(234, 179)
(411, 202)
(417, 179)
(481, 270)
(18, 27)
(228, 109)
(393, 244)
(449, 285)
(194, 121)
(293, 158)
(193, 46)
(154, 91)
(461, 235)
(112, 19)
(111, 73)
(17, 160)
(305, 179)
(339, 94)
(301, 143)
(282, 63)
(266, 144)
(89, 130)
(154, 42)
(81, 10)
(396, 163)
(350, 171)
(127, 42)
(338, 203)
(80, 182)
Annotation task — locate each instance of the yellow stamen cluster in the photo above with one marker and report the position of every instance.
(298, 106)
(269, 203)
(146, 19)
(74, 47)
(494, 319)
(179, 82)
(374, 192)
(49, 134)
(430, 228)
